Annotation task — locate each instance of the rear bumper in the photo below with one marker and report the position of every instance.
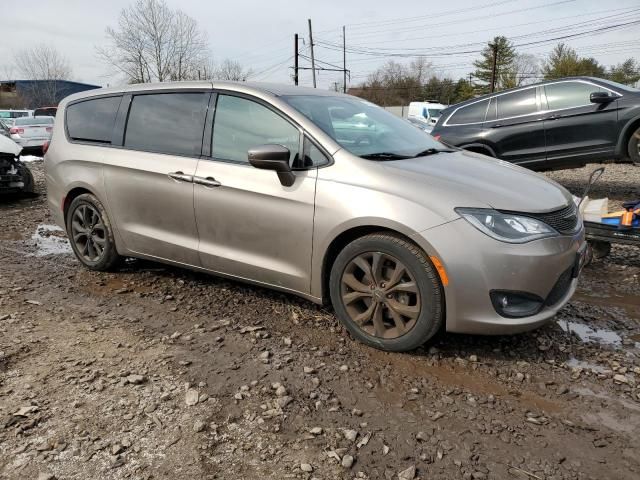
(30, 142)
(477, 264)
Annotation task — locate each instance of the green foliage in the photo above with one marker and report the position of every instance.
(627, 72)
(564, 61)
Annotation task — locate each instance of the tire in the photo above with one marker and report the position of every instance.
(87, 218)
(27, 178)
(419, 274)
(634, 147)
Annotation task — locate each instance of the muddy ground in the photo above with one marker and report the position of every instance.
(156, 372)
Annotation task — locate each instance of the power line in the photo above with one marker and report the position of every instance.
(384, 54)
(420, 18)
(378, 32)
(506, 27)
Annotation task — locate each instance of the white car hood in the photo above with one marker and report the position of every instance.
(9, 146)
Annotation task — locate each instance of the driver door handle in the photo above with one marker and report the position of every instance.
(208, 182)
(552, 117)
(180, 177)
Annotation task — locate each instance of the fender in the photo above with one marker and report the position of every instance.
(479, 146)
(621, 147)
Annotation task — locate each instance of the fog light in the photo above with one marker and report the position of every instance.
(515, 304)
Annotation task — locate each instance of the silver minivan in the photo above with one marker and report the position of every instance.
(282, 186)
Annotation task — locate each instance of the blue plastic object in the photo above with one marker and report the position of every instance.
(616, 222)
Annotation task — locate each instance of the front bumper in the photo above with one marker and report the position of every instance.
(477, 264)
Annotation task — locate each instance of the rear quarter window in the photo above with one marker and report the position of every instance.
(473, 113)
(517, 103)
(92, 120)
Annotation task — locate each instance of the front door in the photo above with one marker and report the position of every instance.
(149, 180)
(250, 225)
(574, 127)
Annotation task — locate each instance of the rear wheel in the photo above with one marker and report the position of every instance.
(90, 233)
(386, 292)
(634, 147)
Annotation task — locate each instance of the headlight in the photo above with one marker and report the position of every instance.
(506, 227)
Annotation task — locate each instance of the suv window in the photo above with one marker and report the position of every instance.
(169, 123)
(473, 113)
(517, 103)
(241, 124)
(569, 94)
(92, 120)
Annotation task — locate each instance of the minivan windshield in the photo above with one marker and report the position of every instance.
(363, 128)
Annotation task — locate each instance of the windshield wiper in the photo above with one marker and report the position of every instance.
(432, 151)
(385, 156)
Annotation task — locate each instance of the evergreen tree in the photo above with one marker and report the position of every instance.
(463, 91)
(564, 61)
(506, 56)
(627, 72)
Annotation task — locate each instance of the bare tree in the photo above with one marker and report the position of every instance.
(43, 65)
(524, 69)
(231, 70)
(42, 62)
(154, 43)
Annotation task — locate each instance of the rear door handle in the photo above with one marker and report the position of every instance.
(497, 125)
(180, 177)
(553, 117)
(208, 182)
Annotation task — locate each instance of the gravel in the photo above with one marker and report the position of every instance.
(158, 372)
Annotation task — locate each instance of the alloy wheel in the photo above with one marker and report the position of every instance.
(380, 295)
(89, 233)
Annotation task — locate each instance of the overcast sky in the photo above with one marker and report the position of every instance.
(259, 33)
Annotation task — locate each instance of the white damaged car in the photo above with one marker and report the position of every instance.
(14, 175)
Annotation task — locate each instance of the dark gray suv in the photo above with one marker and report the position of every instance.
(550, 125)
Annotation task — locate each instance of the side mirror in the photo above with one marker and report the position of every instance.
(600, 97)
(273, 157)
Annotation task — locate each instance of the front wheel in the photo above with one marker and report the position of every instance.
(634, 147)
(90, 233)
(386, 292)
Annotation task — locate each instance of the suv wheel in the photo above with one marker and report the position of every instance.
(386, 292)
(634, 147)
(90, 233)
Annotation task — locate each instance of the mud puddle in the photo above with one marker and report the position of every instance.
(588, 334)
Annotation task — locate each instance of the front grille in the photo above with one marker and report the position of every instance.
(564, 220)
(560, 289)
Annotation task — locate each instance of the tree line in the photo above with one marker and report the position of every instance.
(398, 84)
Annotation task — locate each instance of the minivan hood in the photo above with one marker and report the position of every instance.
(469, 179)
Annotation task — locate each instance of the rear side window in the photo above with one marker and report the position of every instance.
(569, 94)
(473, 113)
(169, 123)
(92, 120)
(517, 103)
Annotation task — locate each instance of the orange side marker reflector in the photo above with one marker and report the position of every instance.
(444, 278)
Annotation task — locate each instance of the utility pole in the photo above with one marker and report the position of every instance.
(495, 65)
(295, 62)
(344, 61)
(313, 58)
